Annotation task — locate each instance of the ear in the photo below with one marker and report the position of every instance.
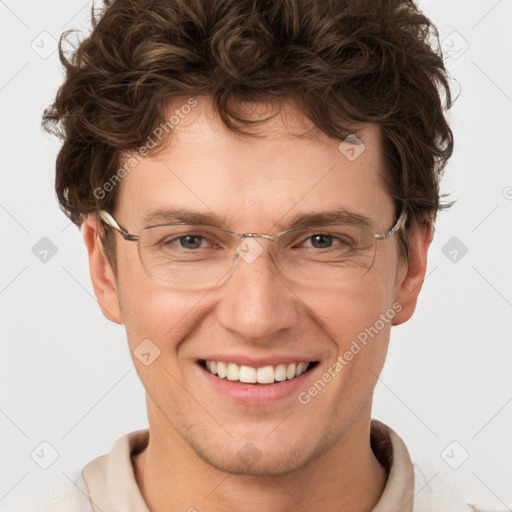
(102, 276)
(412, 273)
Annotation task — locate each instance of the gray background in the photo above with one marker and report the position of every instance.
(67, 378)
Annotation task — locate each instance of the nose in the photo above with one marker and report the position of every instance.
(256, 303)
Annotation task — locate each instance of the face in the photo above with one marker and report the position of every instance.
(257, 318)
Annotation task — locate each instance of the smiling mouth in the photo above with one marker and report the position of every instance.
(264, 375)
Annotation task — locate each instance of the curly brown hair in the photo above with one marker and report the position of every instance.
(341, 61)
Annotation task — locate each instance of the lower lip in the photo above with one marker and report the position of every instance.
(257, 394)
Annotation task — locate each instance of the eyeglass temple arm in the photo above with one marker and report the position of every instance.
(399, 224)
(110, 221)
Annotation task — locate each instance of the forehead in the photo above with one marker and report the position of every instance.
(290, 167)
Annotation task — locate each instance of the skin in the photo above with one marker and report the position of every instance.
(314, 455)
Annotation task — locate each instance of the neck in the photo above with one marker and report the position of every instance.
(172, 478)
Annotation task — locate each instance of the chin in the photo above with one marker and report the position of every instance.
(241, 456)
(255, 463)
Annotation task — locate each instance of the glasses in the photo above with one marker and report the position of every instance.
(200, 257)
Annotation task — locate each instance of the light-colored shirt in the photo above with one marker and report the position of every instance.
(108, 484)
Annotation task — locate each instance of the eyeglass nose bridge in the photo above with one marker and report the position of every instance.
(257, 235)
(243, 236)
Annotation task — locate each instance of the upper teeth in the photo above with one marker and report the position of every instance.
(251, 375)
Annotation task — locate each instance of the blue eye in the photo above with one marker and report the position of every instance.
(321, 241)
(328, 240)
(190, 241)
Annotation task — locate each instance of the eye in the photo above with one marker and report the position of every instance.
(179, 240)
(326, 241)
(321, 241)
(190, 241)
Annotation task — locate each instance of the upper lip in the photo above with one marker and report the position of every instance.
(258, 362)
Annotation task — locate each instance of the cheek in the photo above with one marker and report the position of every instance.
(357, 319)
(354, 307)
(159, 314)
(149, 310)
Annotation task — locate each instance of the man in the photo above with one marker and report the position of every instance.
(256, 184)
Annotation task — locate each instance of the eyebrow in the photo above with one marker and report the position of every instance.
(311, 219)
